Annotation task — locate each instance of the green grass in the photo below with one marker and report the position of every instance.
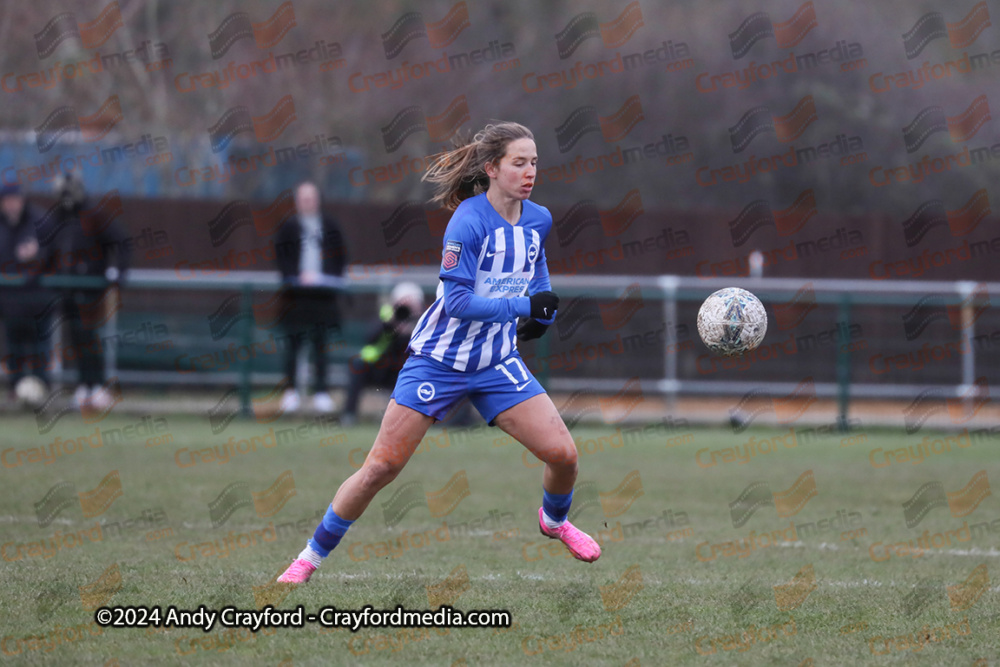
(681, 606)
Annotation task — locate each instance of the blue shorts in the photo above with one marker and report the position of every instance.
(432, 389)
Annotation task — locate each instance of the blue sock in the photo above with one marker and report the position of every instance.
(328, 533)
(555, 505)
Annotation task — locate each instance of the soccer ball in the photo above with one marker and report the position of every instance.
(732, 321)
(31, 391)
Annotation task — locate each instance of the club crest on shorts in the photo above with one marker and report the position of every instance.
(452, 254)
(425, 392)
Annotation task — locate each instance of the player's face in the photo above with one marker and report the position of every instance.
(515, 175)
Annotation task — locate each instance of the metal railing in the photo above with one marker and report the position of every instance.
(965, 301)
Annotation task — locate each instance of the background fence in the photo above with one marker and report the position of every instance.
(621, 335)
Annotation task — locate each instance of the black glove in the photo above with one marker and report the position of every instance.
(543, 305)
(530, 329)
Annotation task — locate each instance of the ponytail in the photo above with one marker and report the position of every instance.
(460, 173)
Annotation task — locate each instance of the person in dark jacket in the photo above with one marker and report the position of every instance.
(311, 256)
(22, 301)
(91, 244)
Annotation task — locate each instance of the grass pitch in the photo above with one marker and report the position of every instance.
(801, 554)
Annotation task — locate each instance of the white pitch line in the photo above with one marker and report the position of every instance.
(64, 521)
(535, 576)
(992, 552)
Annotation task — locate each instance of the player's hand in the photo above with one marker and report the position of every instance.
(530, 329)
(543, 305)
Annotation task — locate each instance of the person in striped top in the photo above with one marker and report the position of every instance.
(493, 271)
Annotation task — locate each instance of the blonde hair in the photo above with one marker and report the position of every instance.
(460, 173)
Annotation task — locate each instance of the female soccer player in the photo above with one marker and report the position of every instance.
(465, 343)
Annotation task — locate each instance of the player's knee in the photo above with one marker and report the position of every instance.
(565, 460)
(570, 455)
(381, 472)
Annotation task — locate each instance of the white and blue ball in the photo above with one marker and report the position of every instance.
(732, 321)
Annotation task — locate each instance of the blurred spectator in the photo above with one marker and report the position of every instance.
(88, 245)
(756, 262)
(311, 256)
(21, 306)
(383, 355)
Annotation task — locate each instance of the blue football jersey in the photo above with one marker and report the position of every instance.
(497, 260)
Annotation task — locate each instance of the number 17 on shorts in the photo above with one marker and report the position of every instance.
(521, 379)
(503, 386)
